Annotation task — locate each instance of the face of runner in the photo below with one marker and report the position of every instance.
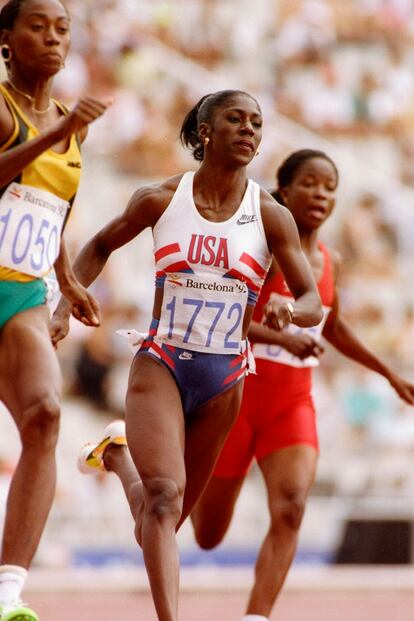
(311, 194)
(40, 37)
(236, 131)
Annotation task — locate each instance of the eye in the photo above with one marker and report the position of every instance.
(257, 124)
(36, 27)
(63, 27)
(234, 119)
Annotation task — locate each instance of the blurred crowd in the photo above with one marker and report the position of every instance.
(339, 71)
(343, 69)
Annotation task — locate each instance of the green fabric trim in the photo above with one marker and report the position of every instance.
(16, 297)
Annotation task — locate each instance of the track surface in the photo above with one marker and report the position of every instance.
(293, 606)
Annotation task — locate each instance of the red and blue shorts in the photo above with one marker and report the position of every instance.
(199, 376)
(277, 412)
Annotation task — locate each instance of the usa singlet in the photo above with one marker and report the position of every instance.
(209, 271)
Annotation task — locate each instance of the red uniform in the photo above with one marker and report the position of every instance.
(277, 409)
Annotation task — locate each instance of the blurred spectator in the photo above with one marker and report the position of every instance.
(368, 241)
(326, 105)
(405, 338)
(307, 32)
(99, 352)
(366, 404)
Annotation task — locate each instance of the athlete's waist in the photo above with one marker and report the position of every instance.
(137, 340)
(238, 347)
(10, 275)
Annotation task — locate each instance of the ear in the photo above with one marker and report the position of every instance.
(4, 37)
(204, 131)
(284, 193)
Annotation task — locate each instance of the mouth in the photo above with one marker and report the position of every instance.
(318, 213)
(52, 56)
(245, 145)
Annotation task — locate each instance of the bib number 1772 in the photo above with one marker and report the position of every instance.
(231, 312)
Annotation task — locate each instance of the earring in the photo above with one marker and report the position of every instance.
(6, 53)
(62, 64)
(257, 152)
(206, 140)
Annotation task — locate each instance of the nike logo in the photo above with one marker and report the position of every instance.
(186, 355)
(247, 219)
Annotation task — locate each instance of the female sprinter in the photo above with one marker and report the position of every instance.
(214, 232)
(277, 419)
(40, 167)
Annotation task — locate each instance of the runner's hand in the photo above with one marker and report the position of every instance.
(85, 307)
(275, 313)
(404, 389)
(58, 328)
(302, 345)
(87, 110)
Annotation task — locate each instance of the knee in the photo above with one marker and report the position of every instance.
(288, 511)
(134, 493)
(40, 423)
(163, 499)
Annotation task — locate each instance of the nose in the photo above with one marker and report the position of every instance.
(321, 191)
(51, 37)
(247, 128)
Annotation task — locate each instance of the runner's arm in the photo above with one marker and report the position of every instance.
(80, 302)
(14, 160)
(339, 333)
(284, 242)
(142, 211)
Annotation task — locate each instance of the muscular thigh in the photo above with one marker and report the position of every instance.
(289, 472)
(155, 421)
(238, 450)
(206, 433)
(165, 444)
(29, 367)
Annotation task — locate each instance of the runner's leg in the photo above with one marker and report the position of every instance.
(288, 474)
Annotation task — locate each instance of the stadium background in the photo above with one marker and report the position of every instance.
(328, 74)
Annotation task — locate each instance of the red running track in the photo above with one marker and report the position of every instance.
(293, 606)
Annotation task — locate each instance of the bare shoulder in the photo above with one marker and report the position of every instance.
(152, 200)
(6, 120)
(156, 193)
(273, 213)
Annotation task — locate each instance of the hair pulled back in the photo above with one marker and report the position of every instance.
(203, 112)
(9, 13)
(288, 168)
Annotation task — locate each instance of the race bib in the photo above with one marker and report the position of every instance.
(203, 314)
(276, 353)
(31, 222)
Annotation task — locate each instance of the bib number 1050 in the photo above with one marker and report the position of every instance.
(233, 315)
(33, 242)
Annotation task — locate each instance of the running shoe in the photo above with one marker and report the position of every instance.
(17, 611)
(90, 460)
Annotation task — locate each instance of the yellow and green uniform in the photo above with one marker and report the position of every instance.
(56, 173)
